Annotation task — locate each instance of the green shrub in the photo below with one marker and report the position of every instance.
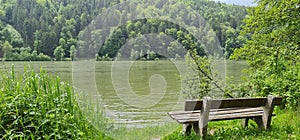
(36, 106)
(103, 58)
(23, 54)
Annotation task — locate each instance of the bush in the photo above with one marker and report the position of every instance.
(23, 54)
(67, 59)
(35, 106)
(43, 57)
(103, 58)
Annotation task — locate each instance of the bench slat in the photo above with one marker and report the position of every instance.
(198, 111)
(237, 111)
(179, 115)
(236, 116)
(216, 111)
(230, 103)
(195, 118)
(182, 112)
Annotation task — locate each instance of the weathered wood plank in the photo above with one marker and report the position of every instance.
(236, 116)
(188, 121)
(268, 110)
(196, 114)
(217, 116)
(231, 103)
(204, 117)
(221, 117)
(191, 105)
(214, 112)
(237, 111)
(183, 112)
(192, 119)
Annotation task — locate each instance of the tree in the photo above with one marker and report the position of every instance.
(233, 40)
(7, 50)
(2, 14)
(59, 53)
(11, 35)
(73, 52)
(273, 51)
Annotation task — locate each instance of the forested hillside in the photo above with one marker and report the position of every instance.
(239, 2)
(40, 29)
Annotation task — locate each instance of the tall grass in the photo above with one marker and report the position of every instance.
(37, 106)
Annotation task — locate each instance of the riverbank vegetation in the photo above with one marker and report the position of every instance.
(273, 51)
(37, 106)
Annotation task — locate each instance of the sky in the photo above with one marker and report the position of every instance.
(238, 2)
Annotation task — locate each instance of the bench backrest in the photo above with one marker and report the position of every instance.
(191, 105)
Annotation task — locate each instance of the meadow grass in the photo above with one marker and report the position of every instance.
(146, 133)
(37, 106)
(285, 125)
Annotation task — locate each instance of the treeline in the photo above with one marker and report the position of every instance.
(44, 25)
(51, 29)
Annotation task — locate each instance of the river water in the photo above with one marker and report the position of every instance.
(136, 93)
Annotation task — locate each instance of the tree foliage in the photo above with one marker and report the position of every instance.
(44, 24)
(7, 50)
(73, 52)
(273, 51)
(59, 53)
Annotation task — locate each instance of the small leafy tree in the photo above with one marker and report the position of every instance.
(197, 83)
(7, 50)
(59, 53)
(73, 52)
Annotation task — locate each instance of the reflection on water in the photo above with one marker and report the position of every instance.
(140, 92)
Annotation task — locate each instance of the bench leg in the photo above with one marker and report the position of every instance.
(259, 122)
(264, 122)
(187, 128)
(245, 122)
(268, 110)
(203, 121)
(203, 132)
(196, 128)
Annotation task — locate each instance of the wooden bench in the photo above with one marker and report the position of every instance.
(198, 113)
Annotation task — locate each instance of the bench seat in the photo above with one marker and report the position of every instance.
(185, 117)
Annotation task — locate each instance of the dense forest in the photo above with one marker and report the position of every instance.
(47, 29)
